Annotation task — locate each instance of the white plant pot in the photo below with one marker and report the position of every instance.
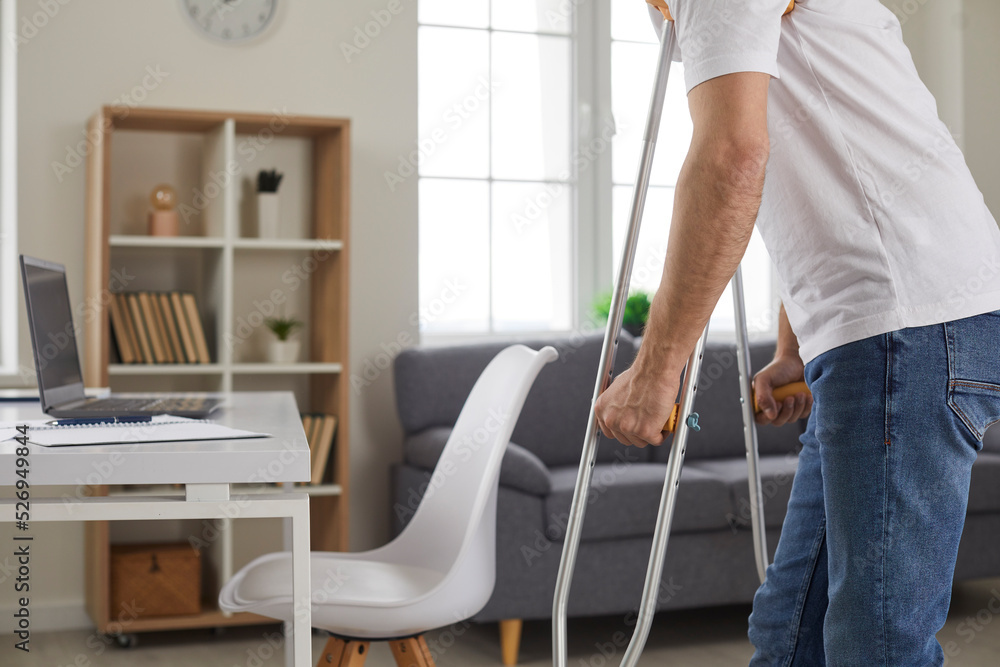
(283, 351)
(267, 215)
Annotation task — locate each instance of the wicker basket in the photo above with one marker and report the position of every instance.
(155, 579)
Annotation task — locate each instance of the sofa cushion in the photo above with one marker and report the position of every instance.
(520, 468)
(625, 498)
(984, 491)
(776, 474)
(432, 384)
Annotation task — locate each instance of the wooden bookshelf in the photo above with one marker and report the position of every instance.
(211, 159)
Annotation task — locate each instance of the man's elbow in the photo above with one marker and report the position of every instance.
(738, 165)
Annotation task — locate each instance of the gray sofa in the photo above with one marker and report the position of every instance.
(710, 559)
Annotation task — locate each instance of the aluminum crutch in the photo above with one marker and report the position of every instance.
(683, 419)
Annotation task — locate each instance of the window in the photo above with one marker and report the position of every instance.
(496, 192)
(8, 191)
(522, 216)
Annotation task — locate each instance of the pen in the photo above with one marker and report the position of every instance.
(100, 420)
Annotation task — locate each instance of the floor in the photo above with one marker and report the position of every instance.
(702, 638)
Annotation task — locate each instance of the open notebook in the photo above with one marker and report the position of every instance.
(162, 428)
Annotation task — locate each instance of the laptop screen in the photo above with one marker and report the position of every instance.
(53, 338)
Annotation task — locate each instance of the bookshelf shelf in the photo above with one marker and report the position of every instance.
(270, 245)
(165, 369)
(138, 241)
(237, 279)
(263, 368)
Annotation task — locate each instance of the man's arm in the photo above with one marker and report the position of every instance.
(715, 206)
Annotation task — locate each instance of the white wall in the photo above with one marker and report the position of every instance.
(92, 52)
(956, 49)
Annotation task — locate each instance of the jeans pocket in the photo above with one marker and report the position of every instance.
(974, 370)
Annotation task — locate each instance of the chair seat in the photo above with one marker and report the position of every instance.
(336, 579)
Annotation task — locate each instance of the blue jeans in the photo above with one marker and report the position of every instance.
(863, 570)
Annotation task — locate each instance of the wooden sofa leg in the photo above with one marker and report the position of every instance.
(340, 653)
(510, 640)
(411, 652)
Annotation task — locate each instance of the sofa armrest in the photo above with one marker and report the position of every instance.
(520, 469)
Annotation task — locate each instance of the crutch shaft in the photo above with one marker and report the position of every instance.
(665, 515)
(761, 556)
(578, 506)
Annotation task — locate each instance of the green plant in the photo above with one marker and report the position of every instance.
(283, 327)
(636, 310)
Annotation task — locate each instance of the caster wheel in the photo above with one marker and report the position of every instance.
(127, 640)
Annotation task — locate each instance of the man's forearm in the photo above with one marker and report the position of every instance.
(716, 203)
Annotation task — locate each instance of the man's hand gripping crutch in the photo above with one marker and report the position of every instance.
(715, 206)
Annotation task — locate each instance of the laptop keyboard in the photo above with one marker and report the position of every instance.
(147, 405)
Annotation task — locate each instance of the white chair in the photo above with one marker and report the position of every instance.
(441, 569)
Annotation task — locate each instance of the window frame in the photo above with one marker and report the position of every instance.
(8, 191)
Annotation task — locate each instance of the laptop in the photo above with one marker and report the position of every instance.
(57, 363)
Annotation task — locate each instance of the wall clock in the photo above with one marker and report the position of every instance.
(230, 21)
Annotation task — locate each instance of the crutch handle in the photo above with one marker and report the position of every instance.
(780, 394)
(662, 6)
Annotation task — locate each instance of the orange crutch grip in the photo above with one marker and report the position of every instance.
(662, 6)
(780, 394)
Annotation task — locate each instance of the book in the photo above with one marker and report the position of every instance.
(140, 328)
(190, 353)
(125, 352)
(161, 328)
(171, 326)
(320, 452)
(197, 333)
(129, 326)
(307, 423)
(149, 322)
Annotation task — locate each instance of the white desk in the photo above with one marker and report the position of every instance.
(206, 468)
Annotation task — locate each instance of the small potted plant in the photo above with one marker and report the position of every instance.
(281, 349)
(267, 203)
(636, 311)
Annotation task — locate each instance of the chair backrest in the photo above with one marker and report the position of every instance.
(467, 474)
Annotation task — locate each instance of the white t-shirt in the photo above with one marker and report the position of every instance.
(869, 211)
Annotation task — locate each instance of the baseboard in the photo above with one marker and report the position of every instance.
(48, 616)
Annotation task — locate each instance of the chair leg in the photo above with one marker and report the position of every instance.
(510, 640)
(411, 652)
(341, 653)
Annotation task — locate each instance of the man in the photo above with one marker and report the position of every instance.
(890, 269)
